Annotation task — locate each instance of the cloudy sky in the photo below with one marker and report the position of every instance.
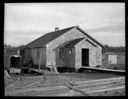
(25, 22)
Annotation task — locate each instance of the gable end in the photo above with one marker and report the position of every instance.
(89, 36)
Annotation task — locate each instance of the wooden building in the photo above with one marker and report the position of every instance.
(69, 47)
(114, 60)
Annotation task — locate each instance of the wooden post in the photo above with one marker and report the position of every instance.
(55, 70)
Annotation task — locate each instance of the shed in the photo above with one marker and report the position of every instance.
(114, 60)
(69, 47)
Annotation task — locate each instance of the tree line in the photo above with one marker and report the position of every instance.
(113, 49)
(10, 48)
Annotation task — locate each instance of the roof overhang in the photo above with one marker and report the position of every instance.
(85, 33)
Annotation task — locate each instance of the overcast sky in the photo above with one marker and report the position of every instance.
(25, 22)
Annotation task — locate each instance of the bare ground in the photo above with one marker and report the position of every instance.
(33, 81)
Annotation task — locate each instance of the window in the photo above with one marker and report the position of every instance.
(70, 51)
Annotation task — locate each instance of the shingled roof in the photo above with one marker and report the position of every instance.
(72, 43)
(43, 40)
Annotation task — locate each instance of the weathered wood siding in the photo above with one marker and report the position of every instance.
(121, 59)
(31, 55)
(43, 56)
(66, 59)
(41, 59)
(94, 54)
(51, 46)
(99, 55)
(26, 56)
(70, 57)
(34, 55)
(70, 35)
(61, 61)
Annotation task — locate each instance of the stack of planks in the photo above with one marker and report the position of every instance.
(103, 87)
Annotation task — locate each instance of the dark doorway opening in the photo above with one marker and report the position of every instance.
(85, 57)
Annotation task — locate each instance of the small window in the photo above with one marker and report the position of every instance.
(70, 51)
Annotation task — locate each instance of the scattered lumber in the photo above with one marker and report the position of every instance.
(100, 87)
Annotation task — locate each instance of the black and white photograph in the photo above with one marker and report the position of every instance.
(64, 49)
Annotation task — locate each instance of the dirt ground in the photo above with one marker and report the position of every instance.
(33, 81)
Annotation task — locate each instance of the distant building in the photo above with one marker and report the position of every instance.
(112, 59)
(9, 53)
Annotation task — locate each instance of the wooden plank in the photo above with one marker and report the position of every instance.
(116, 91)
(105, 80)
(94, 86)
(44, 90)
(104, 70)
(76, 89)
(99, 84)
(90, 68)
(104, 91)
(42, 71)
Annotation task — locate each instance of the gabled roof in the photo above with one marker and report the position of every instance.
(72, 43)
(43, 40)
(90, 36)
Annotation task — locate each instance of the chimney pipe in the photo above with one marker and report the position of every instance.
(57, 28)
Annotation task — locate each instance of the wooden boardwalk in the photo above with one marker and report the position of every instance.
(121, 72)
(40, 71)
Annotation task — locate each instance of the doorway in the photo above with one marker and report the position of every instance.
(85, 57)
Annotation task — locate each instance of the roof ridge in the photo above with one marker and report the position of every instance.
(90, 36)
(61, 29)
(48, 39)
